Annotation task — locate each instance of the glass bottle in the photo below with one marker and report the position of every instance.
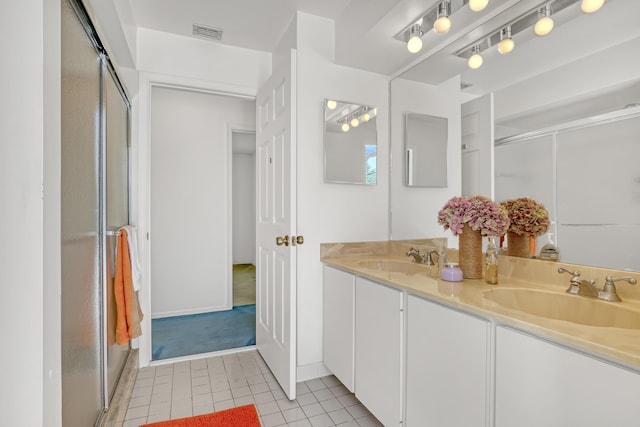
(491, 263)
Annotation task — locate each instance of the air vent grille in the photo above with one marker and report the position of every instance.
(464, 85)
(207, 32)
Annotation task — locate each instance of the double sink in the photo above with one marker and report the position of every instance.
(541, 303)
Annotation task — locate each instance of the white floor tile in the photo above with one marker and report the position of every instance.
(222, 382)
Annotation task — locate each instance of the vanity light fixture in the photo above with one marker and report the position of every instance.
(544, 24)
(475, 60)
(354, 122)
(331, 104)
(538, 17)
(590, 6)
(345, 127)
(506, 44)
(414, 44)
(443, 23)
(478, 5)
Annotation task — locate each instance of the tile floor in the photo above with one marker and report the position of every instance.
(216, 383)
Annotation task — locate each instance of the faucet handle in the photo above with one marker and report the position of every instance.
(609, 292)
(576, 280)
(609, 280)
(575, 273)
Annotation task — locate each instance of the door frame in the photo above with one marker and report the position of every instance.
(141, 185)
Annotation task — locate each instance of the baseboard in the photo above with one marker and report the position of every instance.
(188, 312)
(312, 371)
(201, 356)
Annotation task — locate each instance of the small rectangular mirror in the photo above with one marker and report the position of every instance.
(350, 143)
(425, 143)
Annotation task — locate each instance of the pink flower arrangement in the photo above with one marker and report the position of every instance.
(478, 212)
(527, 216)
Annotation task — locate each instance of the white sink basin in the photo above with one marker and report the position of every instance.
(561, 306)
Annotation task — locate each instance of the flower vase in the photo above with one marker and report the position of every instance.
(518, 244)
(470, 253)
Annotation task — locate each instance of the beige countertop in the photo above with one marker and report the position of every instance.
(616, 344)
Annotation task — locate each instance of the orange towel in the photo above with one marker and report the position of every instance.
(127, 305)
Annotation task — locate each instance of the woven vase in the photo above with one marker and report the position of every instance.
(470, 255)
(518, 244)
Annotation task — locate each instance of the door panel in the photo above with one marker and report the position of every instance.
(276, 310)
(477, 147)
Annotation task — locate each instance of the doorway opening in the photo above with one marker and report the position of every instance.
(243, 143)
(202, 221)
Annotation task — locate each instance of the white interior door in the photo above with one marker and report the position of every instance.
(276, 263)
(477, 147)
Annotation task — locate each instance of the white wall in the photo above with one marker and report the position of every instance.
(193, 58)
(244, 198)
(30, 382)
(414, 210)
(331, 212)
(190, 199)
(595, 73)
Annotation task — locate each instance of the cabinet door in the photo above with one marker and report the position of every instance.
(543, 384)
(379, 350)
(447, 366)
(338, 323)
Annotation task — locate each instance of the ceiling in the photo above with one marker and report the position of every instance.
(365, 30)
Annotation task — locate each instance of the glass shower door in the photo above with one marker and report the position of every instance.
(82, 397)
(116, 199)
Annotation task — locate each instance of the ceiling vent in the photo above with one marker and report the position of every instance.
(464, 85)
(207, 32)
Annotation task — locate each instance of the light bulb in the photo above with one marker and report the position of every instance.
(475, 61)
(442, 25)
(414, 44)
(355, 122)
(345, 127)
(331, 104)
(506, 46)
(478, 5)
(543, 26)
(366, 117)
(590, 6)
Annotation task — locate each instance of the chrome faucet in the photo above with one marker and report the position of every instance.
(588, 288)
(420, 258)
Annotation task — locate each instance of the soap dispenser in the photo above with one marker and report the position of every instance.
(549, 251)
(491, 263)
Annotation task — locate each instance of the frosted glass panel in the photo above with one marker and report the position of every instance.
(598, 174)
(117, 214)
(81, 285)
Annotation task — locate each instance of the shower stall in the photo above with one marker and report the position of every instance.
(94, 204)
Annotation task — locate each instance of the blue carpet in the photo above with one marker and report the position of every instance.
(202, 333)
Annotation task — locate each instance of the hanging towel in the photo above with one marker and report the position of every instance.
(129, 314)
(136, 272)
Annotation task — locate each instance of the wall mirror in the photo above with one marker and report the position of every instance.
(425, 148)
(572, 75)
(350, 143)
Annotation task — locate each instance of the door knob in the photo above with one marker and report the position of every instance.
(282, 240)
(297, 240)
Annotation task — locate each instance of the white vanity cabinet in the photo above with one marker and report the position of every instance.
(543, 384)
(447, 366)
(378, 350)
(338, 324)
